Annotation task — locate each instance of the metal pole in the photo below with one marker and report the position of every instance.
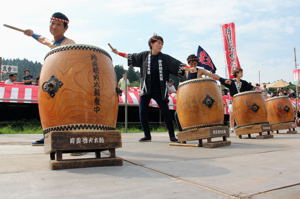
(0, 69)
(126, 107)
(297, 83)
(259, 77)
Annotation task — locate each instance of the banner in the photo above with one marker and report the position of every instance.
(296, 75)
(9, 69)
(233, 63)
(205, 61)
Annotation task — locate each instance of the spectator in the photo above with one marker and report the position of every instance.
(122, 82)
(27, 79)
(171, 87)
(257, 87)
(280, 93)
(264, 91)
(12, 79)
(291, 93)
(37, 80)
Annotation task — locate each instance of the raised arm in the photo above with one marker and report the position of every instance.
(206, 73)
(39, 38)
(176, 67)
(226, 82)
(114, 50)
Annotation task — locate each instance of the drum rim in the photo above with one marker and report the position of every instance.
(77, 46)
(202, 126)
(195, 80)
(257, 123)
(246, 92)
(78, 127)
(285, 122)
(277, 97)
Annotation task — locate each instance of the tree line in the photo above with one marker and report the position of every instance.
(23, 64)
(35, 69)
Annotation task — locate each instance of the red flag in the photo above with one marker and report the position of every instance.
(233, 63)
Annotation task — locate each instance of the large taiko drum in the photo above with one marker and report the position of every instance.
(249, 108)
(280, 110)
(199, 104)
(78, 90)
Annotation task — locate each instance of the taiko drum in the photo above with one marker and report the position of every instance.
(77, 90)
(199, 104)
(249, 108)
(279, 110)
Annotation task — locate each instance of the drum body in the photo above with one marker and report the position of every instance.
(77, 90)
(280, 110)
(249, 108)
(199, 104)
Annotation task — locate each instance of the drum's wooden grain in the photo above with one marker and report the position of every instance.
(279, 110)
(191, 108)
(76, 101)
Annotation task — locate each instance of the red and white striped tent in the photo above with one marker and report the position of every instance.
(18, 92)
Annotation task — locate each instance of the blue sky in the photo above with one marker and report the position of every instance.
(266, 30)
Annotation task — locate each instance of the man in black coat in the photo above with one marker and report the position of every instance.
(155, 68)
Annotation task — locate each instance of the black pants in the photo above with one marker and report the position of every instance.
(164, 109)
(177, 121)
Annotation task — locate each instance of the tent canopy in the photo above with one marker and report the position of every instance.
(278, 84)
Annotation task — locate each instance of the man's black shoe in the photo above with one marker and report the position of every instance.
(173, 140)
(39, 142)
(145, 139)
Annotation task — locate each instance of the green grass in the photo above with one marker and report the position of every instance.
(21, 127)
(33, 127)
(25, 130)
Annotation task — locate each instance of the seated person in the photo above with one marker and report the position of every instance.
(12, 79)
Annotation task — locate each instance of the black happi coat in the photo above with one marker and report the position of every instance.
(167, 65)
(233, 89)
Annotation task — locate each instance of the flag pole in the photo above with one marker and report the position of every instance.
(0, 69)
(126, 105)
(297, 83)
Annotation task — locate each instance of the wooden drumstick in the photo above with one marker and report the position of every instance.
(111, 47)
(14, 28)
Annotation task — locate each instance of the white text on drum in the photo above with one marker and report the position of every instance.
(218, 132)
(87, 140)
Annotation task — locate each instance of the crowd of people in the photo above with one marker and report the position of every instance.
(267, 93)
(27, 78)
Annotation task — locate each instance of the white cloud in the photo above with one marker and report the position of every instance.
(271, 26)
(198, 16)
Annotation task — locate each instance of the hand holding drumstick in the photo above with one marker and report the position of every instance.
(27, 32)
(113, 49)
(117, 52)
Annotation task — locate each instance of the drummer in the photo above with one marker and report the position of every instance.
(59, 24)
(193, 73)
(156, 68)
(235, 86)
(196, 72)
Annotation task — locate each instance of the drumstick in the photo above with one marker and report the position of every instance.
(14, 28)
(111, 47)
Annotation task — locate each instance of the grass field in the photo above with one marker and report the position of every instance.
(34, 127)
